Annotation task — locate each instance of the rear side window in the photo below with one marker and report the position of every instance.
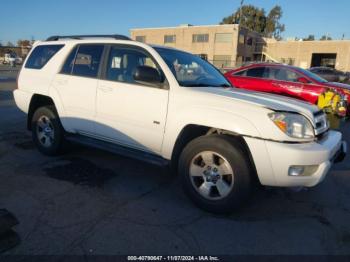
(41, 55)
(240, 73)
(68, 65)
(87, 60)
(258, 72)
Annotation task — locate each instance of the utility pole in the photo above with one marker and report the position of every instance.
(240, 11)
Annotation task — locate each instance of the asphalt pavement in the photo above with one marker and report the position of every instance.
(92, 202)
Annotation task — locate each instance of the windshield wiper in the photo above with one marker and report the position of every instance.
(197, 85)
(224, 85)
(207, 85)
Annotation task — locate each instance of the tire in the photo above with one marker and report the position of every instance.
(205, 183)
(49, 142)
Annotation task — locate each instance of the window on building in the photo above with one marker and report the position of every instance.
(200, 38)
(241, 39)
(169, 39)
(87, 60)
(288, 61)
(250, 41)
(41, 55)
(222, 60)
(224, 38)
(203, 56)
(239, 61)
(141, 38)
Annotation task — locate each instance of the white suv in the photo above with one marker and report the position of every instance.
(164, 105)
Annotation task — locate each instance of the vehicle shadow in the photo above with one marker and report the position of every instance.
(121, 177)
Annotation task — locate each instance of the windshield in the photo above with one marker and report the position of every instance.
(190, 70)
(313, 76)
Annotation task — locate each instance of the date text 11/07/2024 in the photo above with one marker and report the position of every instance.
(173, 258)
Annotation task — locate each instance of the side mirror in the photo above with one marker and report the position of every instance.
(303, 80)
(147, 74)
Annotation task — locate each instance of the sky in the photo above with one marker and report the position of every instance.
(38, 19)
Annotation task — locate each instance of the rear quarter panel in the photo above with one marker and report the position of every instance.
(38, 81)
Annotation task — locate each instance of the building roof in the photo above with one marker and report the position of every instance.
(185, 26)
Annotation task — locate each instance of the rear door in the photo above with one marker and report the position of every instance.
(76, 85)
(252, 79)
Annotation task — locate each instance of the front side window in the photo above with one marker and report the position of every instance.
(283, 74)
(41, 55)
(123, 62)
(200, 38)
(87, 60)
(190, 70)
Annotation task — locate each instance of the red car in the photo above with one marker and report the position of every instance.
(284, 80)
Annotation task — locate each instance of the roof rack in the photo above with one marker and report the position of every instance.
(78, 37)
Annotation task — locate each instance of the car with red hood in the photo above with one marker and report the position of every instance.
(285, 80)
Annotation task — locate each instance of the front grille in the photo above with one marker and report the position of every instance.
(321, 123)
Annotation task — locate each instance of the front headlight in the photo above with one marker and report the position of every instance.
(293, 125)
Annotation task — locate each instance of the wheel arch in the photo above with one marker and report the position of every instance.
(37, 101)
(191, 132)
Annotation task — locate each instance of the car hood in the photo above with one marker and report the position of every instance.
(337, 85)
(273, 102)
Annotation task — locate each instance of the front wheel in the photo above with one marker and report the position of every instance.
(47, 131)
(216, 173)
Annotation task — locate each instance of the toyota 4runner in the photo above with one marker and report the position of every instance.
(164, 106)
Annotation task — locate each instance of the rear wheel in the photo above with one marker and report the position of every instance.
(216, 173)
(47, 131)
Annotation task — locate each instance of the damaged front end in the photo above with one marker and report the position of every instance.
(334, 102)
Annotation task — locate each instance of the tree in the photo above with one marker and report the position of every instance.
(309, 38)
(10, 44)
(325, 37)
(21, 43)
(255, 19)
(273, 26)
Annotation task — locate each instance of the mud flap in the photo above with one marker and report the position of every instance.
(8, 238)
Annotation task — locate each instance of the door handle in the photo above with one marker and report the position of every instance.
(105, 88)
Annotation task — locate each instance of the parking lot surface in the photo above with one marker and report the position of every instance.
(93, 202)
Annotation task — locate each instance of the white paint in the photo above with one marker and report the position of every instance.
(151, 119)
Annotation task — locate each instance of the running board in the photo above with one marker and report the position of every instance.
(118, 149)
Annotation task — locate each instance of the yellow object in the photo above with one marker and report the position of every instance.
(329, 101)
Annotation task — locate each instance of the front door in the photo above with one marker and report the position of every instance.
(286, 82)
(129, 112)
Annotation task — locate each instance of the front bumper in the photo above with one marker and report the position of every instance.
(273, 169)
